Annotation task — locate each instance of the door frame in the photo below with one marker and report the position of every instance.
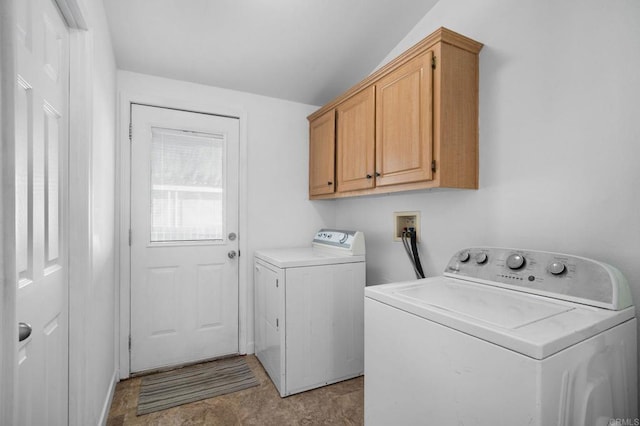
(78, 188)
(123, 210)
(8, 281)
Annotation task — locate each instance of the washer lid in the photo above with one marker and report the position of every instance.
(532, 325)
(304, 256)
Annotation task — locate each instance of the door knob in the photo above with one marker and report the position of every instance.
(24, 331)
(232, 254)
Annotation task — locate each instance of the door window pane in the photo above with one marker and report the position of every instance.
(187, 186)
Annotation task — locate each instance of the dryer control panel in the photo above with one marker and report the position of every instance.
(560, 276)
(345, 242)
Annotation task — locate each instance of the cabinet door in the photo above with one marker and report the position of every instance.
(404, 123)
(356, 141)
(322, 154)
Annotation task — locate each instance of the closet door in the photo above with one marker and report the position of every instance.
(41, 213)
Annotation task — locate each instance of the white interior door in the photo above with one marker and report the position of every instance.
(41, 212)
(184, 245)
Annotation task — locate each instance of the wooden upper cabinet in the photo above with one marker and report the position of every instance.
(404, 132)
(412, 124)
(355, 163)
(322, 154)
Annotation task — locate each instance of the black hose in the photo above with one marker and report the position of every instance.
(406, 236)
(416, 256)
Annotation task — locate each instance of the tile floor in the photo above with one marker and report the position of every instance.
(338, 404)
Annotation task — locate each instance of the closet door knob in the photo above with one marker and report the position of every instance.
(329, 183)
(24, 331)
(369, 176)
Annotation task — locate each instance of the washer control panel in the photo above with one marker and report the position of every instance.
(555, 275)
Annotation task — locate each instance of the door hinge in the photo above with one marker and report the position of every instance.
(277, 283)
(433, 62)
(129, 237)
(277, 323)
(130, 131)
(129, 343)
(433, 166)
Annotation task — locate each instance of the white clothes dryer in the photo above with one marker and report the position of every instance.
(505, 337)
(309, 311)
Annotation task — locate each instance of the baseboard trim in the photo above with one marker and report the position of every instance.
(104, 416)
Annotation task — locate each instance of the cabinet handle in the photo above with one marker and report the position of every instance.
(329, 183)
(369, 176)
(377, 174)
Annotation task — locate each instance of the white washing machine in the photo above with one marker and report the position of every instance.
(505, 337)
(309, 311)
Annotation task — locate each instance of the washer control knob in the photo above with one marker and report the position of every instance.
(556, 268)
(464, 256)
(515, 261)
(481, 258)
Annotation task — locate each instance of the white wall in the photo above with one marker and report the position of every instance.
(275, 211)
(93, 284)
(101, 355)
(559, 140)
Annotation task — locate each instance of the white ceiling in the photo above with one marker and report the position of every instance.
(306, 51)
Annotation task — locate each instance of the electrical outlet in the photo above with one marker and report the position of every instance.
(403, 221)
